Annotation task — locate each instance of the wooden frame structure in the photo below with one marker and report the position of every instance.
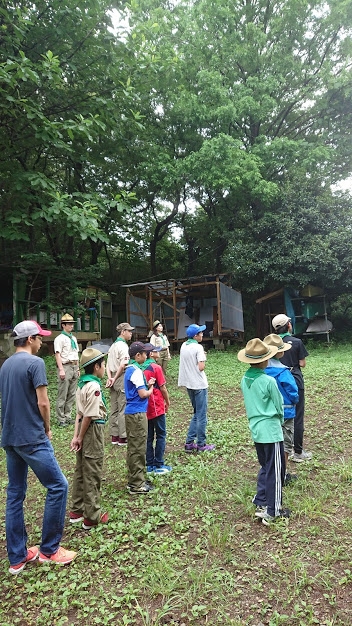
(208, 300)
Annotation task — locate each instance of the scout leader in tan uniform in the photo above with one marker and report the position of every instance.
(159, 340)
(66, 355)
(118, 358)
(88, 442)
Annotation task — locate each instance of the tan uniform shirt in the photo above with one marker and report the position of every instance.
(117, 355)
(160, 341)
(89, 401)
(62, 345)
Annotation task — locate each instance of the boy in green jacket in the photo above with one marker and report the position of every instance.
(264, 409)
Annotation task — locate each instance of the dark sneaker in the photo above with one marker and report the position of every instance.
(190, 447)
(269, 519)
(164, 469)
(146, 488)
(75, 517)
(88, 525)
(260, 511)
(150, 469)
(32, 554)
(289, 479)
(208, 447)
(122, 441)
(114, 440)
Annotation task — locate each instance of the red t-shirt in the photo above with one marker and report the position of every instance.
(156, 402)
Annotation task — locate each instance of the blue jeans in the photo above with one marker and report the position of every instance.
(157, 427)
(198, 425)
(41, 459)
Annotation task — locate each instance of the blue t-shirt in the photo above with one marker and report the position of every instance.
(133, 381)
(21, 421)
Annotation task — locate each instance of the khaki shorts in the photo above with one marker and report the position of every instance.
(287, 431)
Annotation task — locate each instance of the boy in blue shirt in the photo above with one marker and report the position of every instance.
(289, 391)
(137, 391)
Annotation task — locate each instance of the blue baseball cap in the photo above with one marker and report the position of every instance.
(194, 329)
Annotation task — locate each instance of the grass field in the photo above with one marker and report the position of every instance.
(192, 552)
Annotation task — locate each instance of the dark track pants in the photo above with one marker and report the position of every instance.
(271, 476)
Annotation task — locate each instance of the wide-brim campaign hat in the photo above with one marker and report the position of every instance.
(156, 323)
(90, 355)
(276, 341)
(256, 351)
(29, 328)
(67, 319)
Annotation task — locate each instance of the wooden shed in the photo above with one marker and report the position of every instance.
(307, 309)
(205, 300)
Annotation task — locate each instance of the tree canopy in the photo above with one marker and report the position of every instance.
(204, 136)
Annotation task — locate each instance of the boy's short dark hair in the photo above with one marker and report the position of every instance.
(20, 343)
(89, 369)
(282, 329)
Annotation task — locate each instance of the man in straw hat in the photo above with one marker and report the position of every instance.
(66, 355)
(117, 360)
(289, 391)
(264, 408)
(88, 442)
(26, 434)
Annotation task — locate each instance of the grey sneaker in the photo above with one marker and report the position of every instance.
(146, 488)
(260, 511)
(269, 519)
(300, 458)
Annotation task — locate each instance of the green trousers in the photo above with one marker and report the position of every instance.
(86, 488)
(117, 421)
(66, 393)
(137, 431)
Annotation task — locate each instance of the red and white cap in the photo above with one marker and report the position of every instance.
(29, 328)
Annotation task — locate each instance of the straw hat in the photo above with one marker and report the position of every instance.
(276, 341)
(156, 323)
(256, 351)
(90, 355)
(67, 319)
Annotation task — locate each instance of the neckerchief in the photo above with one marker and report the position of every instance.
(140, 366)
(120, 339)
(191, 341)
(87, 378)
(251, 374)
(282, 335)
(146, 364)
(70, 336)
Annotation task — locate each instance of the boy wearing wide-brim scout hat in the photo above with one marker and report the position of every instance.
(256, 352)
(88, 442)
(289, 391)
(264, 409)
(66, 356)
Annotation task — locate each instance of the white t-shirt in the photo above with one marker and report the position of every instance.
(189, 374)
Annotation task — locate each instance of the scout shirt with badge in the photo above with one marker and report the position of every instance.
(117, 355)
(91, 403)
(67, 346)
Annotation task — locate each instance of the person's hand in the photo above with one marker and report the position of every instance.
(167, 406)
(76, 444)
(62, 374)
(49, 434)
(109, 382)
(151, 382)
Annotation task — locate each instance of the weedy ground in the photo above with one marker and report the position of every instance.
(192, 552)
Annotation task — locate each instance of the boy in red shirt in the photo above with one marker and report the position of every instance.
(158, 405)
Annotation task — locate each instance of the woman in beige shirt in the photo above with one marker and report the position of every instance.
(160, 340)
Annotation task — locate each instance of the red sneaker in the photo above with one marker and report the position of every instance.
(87, 524)
(32, 554)
(75, 517)
(60, 557)
(114, 440)
(122, 441)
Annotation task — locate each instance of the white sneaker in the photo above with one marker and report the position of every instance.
(303, 456)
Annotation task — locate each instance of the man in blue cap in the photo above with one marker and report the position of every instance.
(192, 376)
